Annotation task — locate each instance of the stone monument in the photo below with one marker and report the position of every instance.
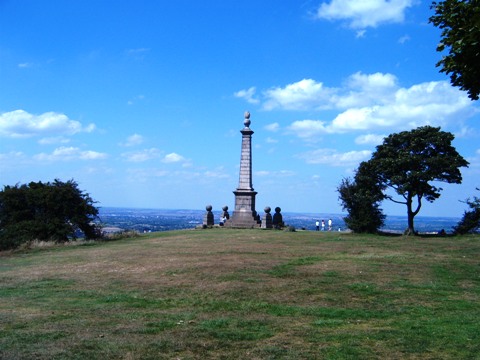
(244, 214)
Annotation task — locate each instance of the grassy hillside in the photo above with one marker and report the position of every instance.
(244, 294)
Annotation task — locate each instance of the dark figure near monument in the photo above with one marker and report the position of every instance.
(277, 219)
(224, 216)
(208, 217)
(267, 218)
(225, 213)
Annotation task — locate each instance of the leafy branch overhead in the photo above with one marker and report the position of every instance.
(460, 36)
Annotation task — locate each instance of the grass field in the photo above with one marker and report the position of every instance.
(244, 294)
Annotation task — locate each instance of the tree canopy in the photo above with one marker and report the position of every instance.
(460, 24)
(45, 211)
(470, 222)
(409, 161)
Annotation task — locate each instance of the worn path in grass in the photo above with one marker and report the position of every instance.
(238, 294)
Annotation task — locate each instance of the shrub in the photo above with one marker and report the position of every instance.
(47, 212)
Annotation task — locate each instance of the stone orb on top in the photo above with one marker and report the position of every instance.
(247, 121)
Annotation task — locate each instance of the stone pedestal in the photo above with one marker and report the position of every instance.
(267, 219)
(277, 221)
(208, 217)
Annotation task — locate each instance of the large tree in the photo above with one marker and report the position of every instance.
(409, 161)
(460, 25)
(45, 211)
(361, 199)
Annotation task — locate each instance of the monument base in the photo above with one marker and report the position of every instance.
(244, 216)
(243, 220)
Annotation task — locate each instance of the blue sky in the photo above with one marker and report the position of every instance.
(142, 102)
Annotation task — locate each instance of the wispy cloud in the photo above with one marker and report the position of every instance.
(135, 99)
(142, 155)
(334, 158)
(138, 53)
(273, 127)
(69, 154)
(54, 140)
(404, 39)
(248, 95)
(133, 140)
(369, 139)
(25, 65)
(274, 174)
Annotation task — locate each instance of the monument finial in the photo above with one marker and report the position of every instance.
(247, 121)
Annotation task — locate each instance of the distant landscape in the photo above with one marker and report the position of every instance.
(151, 220)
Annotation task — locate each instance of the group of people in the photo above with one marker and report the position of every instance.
(317, 225)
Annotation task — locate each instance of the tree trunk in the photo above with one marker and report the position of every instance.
(410, 230)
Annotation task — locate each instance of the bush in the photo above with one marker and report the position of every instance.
(46, 212)
(470, 222)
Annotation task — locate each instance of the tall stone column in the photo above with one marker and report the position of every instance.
(244, 214)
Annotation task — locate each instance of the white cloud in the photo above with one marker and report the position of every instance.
(273, 127)
(248, 95)
(308, 94)
(431, 103)
(135, 99)
(25, 65)
(274, 174)
(54, 140)
(360, 33)
(366, 89)
(142, 155)
(370, 102)
(11, 156)
(270, 140)
(308, 128)
(216, 174)
(404, 39)
(69, 154)
(302, 95)
(173, 158)
(361, 14)
(333, 158)
(370, 139)
(133, 140)
(138, 54)
(21, 124)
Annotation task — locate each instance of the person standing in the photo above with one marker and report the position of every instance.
(329, 224)
(323, 225)
(317, 225)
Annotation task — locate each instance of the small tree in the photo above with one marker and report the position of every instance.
(470, 221)
(408, 161)
(45, 211)
(361, 198)
(460, 25)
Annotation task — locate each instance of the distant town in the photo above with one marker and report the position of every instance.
(151, 220)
